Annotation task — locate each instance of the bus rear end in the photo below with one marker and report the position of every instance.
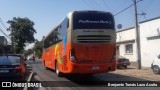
(93, 42)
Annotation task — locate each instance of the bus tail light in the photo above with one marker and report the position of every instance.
(72, 55)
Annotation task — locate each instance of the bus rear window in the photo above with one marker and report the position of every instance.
(92, 20)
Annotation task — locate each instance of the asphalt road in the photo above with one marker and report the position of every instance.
(50, 81)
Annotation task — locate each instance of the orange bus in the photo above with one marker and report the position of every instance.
(84, 42)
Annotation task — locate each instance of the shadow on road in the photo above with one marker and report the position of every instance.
(77, 80)
(101, 79)
(122, 68)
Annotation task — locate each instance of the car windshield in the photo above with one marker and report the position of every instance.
(9, 60)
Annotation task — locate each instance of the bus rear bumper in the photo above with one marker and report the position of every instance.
(91, 68)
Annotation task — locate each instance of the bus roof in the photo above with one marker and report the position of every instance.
(71, 13)
(91, 11)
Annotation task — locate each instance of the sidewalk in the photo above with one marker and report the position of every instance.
(144, 73)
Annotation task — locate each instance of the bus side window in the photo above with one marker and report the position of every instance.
(67, 23)
(63, 30)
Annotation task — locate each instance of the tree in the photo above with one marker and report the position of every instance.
(38, 48)
(22, 32)
(28, 52)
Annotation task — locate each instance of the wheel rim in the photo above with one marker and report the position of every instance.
(155, 70)
(57, 71)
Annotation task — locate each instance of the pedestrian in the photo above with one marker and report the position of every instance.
(33, 59)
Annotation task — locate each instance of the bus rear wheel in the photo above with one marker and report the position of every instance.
(45, 65)
(59, 74)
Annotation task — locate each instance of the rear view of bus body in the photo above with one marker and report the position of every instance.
(84, 42)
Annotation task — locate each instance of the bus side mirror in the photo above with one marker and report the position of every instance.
(159, 56)
(119, 26)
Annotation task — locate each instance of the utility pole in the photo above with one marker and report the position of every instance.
(12, 46)
(137, 36)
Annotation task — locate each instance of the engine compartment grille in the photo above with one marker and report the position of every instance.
(93, 38)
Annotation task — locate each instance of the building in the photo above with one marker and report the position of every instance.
(149, 42)
(3, 40)
(3, 43)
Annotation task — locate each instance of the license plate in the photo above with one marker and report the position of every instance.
(95, 67)
(4, 71)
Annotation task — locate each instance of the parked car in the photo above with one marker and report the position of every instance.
(155, 66)
(122, 61)
(12, 66)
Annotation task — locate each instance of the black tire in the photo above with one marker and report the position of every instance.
(45, 66)
(118, 67)
(125, 67)
(59, 74)
(88, 75)
(156, 69)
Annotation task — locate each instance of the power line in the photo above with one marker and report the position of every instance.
(4, 33)
(3, 24)
(88, 4)
(126, 8)
(98, 5)
(142, 13)
(148, 5)
(94, 5)
(119, 6)
(106, 5)
(4, 27)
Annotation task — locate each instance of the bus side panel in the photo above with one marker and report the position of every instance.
(63, 54)
(53, 56)
(58, 53)
(43, 57)
(66, 57)
(49, 58)
(64, 48)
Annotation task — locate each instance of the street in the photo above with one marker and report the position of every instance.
(50, 81)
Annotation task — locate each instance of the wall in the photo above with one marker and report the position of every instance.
(150, 41)
(125, 37)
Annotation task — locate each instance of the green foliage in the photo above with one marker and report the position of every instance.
(38, 48)
(28, 52)
(22, 31)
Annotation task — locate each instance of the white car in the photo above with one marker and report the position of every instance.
(156, 65)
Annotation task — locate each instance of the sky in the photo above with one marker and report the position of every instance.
(47, 13)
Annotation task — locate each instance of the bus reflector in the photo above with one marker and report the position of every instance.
(72, 58)
(72, 55)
